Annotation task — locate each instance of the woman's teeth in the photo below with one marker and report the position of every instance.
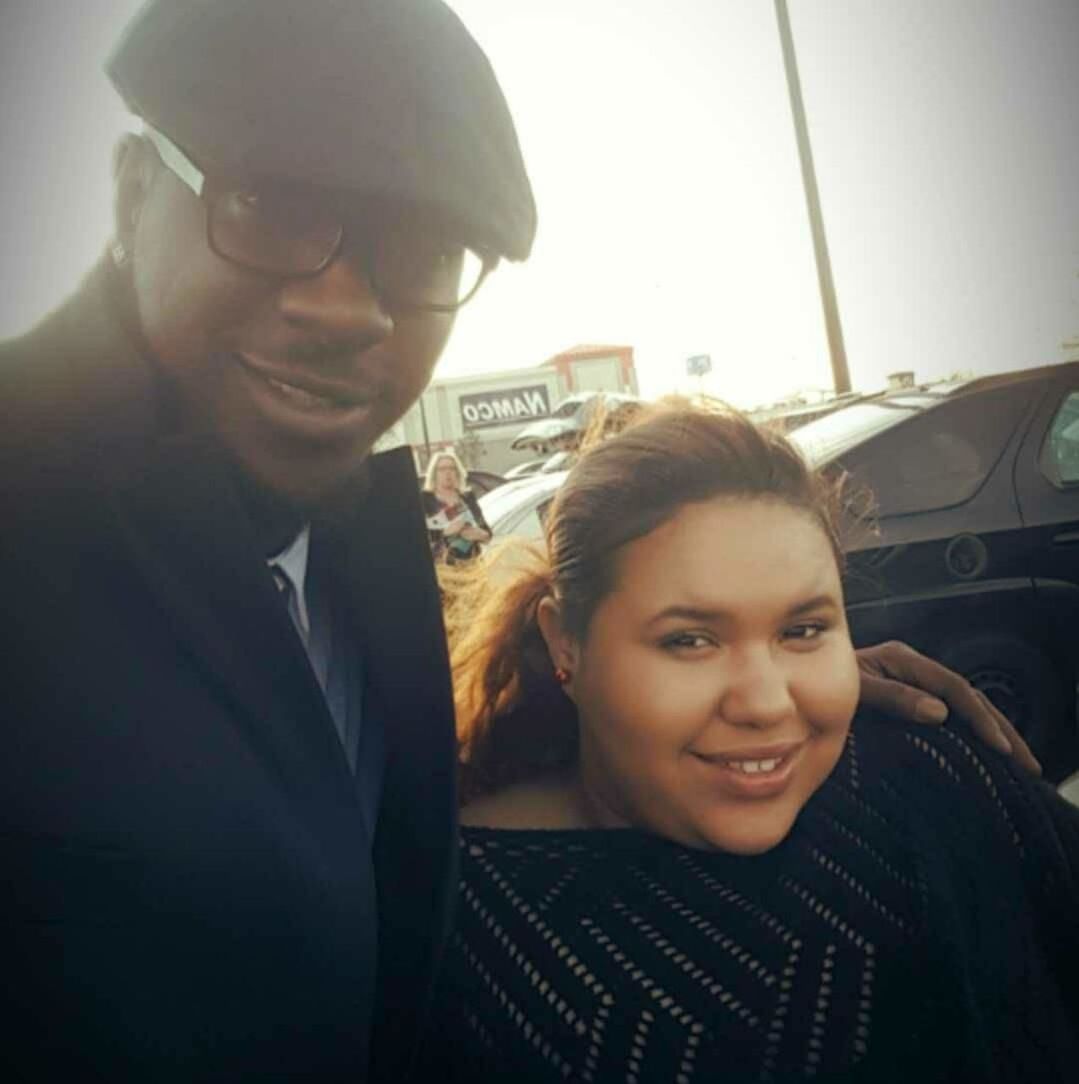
(754, 767)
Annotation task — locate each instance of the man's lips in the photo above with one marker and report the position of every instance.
(308, 389)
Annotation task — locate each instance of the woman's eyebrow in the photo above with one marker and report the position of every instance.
(703, 614)
(708, 614)
(817, 602)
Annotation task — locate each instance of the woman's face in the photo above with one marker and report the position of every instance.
(716, 683)
(446, 475)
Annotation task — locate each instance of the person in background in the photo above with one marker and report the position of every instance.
(455, 523)
(684, 857)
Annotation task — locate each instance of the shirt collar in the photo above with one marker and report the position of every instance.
(292, 561)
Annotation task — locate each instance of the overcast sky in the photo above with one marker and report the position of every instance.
(659, 140)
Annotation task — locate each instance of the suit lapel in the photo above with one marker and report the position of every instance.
(395, 603)
(191, 540)
(395, 599)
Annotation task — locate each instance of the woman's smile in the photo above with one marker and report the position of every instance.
(754, 775)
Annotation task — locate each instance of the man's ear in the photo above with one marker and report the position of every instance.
(134, 167)
(561, 646)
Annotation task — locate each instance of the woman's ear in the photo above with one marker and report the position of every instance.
(134, 166)
(561, 646)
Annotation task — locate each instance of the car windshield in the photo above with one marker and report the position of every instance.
(829, 437)
(505, 502)
(567, 408)
(558, 461)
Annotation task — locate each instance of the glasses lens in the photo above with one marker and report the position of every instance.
(285, 232)
(274, 230)
(423, 270)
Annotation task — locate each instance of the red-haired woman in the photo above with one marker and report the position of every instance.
(684, 857)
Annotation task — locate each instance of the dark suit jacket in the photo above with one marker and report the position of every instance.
(188, 890)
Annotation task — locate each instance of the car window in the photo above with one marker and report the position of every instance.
(504, 508)
(504, 501)
(1060, 454)
(566, 409)
(829, 437)
(940, 457)
(557, 462)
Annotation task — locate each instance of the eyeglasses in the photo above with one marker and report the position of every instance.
(282, 230)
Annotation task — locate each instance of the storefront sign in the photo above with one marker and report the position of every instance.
(504, 406)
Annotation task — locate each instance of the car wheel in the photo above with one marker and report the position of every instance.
(1026, 685)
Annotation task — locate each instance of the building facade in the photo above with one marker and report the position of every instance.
(479, 415)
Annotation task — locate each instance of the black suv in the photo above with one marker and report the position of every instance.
(975, 560)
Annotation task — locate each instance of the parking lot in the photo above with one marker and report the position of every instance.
(970, 552)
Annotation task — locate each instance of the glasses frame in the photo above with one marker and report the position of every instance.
(178, 163)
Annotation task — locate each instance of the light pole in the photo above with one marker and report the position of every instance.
(840, 372)
(426, 437)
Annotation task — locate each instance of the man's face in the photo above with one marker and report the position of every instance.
(297, 377)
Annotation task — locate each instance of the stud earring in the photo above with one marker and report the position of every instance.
(119, 254)
(561, 675)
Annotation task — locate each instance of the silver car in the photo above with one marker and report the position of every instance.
(519, 508)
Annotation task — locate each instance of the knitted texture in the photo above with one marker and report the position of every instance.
(921, 922)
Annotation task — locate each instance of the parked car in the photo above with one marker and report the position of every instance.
(483, 481)
(523, 470)
(479, 481)
(519, 507)
(560, 461)
(976, 556)
(569, 421)
(973, 556)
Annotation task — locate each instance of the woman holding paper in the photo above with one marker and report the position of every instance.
(455, 523)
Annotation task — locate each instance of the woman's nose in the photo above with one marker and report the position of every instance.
(339, 302)
(756, 690)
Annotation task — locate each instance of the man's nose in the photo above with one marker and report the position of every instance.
(756, 690)
(339, 302)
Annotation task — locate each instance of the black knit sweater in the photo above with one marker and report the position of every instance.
(921, 922)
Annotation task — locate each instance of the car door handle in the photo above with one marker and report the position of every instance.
(1066, 538)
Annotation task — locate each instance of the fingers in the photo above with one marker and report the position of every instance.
(973, 707)
(964, 700)
(889, 659)
(923, 691)
(918, 689)
(903, 663)
(1020, 750)
(902, 701)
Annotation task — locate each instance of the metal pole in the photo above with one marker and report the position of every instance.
(840, 372)
(426, 437)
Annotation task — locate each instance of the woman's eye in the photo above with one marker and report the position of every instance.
(688, 641)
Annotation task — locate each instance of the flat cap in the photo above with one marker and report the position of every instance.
(385, 99)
